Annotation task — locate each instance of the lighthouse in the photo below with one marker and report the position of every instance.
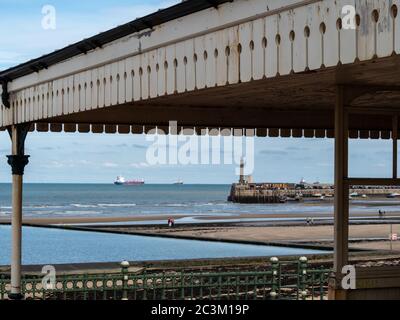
(242, 178)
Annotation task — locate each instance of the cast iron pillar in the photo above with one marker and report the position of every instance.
(17, 160)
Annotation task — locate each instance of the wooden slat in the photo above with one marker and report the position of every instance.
(137, 129)
(330, 133)
(297, 133)
(97, 128)
(42, 127)
(69, 127)
(320, 133)
(309, 133)
(109, 128)
(262, 132)
(56, 127)
(364, 134)
(374, 134)
(385, 135)
(124, 129)
(353, 134)
(32, 127)
(84, 128)
(259, 132)
(286, 133)
(273, 132)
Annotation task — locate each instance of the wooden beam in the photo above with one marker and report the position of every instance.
(341, 232)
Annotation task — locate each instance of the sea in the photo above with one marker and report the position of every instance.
(91, 200)
(57, 246)
(43, 245)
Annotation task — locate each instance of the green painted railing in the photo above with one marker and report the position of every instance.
(279, 280)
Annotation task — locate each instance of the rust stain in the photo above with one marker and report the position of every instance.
(384, 25)
(365, 12)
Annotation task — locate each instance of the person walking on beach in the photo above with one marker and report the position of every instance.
(171, 222)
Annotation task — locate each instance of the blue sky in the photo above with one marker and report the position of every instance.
(100, 158)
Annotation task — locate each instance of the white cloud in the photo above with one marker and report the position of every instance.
(84, 162)
(140, 165)
(53, 164)
(110, 165)
(325, 164)
(11, 57)
(65, 163)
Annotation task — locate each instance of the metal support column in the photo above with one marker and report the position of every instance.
(341, 214)
(17, 160)
(394, 139)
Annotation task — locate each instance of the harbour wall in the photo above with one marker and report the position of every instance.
(260, 193)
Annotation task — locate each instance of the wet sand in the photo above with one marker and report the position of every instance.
(373, 237)
(199, 218)
(273, 233)
(377, 245)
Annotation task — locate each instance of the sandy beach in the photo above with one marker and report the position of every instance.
(281, 233)
(150, 218)
(372, 237)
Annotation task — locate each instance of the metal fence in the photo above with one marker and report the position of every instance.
(280, 280)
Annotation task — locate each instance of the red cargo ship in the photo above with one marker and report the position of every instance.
(122, 181)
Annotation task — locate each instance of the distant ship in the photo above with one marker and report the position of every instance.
(178, 182)
(122, 181)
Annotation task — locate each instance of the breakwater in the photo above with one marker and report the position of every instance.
(268, 193)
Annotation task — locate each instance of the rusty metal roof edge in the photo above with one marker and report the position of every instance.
(159, 17)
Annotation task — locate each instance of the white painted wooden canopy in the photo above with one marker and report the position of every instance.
(267, 65)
